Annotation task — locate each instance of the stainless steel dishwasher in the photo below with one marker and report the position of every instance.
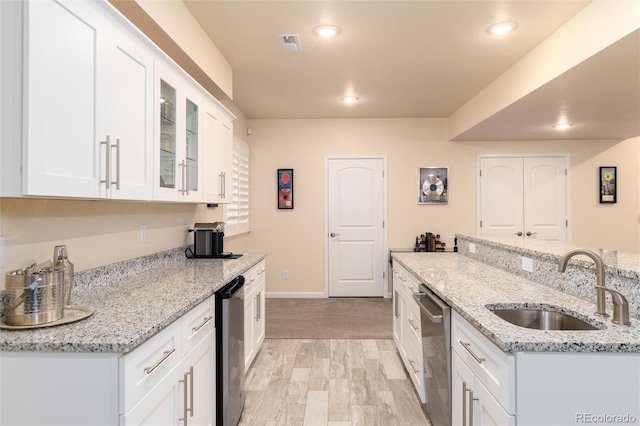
(435, 320)
(230, 391)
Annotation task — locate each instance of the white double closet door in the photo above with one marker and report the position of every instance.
(525, 197)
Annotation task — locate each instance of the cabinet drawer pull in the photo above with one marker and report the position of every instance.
(415, 371)
(202, 324)
(467, 346)
(166, 355)
(413, 325)
(185, 407)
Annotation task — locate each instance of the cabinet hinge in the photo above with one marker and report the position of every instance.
(566, 172)
(480, 224)
(384, 275)
(480, 173)
(566, 223)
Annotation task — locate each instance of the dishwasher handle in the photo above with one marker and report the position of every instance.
(433, 317)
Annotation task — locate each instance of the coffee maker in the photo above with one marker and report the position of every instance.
(208, 240)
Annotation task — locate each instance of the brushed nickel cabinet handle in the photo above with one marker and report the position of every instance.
(117, 147)
(185, 398)
(464, 403)
(186, 177)
(413, 325)
(190, 373)
(166, 355)
(415, 370)
(107, 154)
(202, 324)
(467, 346)
(471, 399)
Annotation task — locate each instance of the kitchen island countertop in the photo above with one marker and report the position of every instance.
(131, 309)
(468, 286)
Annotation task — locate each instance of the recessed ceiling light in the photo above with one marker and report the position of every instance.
(326, 30)
(349, 99)
(502, 28)
(562, 126)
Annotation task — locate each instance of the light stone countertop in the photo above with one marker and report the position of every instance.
(132, 308)
(468, 285)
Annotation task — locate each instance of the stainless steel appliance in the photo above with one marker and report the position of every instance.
(435, 319)
(229, 320)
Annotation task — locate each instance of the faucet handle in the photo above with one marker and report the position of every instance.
(620, 306)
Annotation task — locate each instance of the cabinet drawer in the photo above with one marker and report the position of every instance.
(495, 368)
(253, 275)
(415, 367)
(141, 369)
(197, 323)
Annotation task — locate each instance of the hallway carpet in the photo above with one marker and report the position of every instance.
(333, 318)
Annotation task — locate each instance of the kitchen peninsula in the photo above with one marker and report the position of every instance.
(534, 376)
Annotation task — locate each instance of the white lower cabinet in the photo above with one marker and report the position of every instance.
(492, 387)
(167, 380)
(472, 403)
(254, 311)
(407, 331)
(186, 395)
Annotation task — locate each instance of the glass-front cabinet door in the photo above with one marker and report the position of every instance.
(192, 136)
(178, 137)
(168, 142)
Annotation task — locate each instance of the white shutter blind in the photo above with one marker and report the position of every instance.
(237, 212)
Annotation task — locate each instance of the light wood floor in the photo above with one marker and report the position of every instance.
(330, 382)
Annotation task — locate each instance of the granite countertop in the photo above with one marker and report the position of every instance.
(132, 308)
(468, 285)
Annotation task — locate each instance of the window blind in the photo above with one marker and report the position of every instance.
(237, 212)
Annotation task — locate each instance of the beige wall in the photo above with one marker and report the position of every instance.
(294, 240)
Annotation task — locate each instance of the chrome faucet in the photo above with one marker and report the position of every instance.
(620, 303)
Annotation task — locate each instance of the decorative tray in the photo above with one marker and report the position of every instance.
(72, 313)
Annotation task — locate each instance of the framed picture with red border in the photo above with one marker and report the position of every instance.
(285, 189)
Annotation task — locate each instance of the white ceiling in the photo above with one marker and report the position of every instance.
(417, 59)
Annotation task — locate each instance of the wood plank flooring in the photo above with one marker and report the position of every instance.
(331, 382)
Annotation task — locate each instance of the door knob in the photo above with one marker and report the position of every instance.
(529, 233)
(519, 233)
(333, 234)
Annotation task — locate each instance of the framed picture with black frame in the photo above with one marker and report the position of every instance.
(608, 185)
(285, 189)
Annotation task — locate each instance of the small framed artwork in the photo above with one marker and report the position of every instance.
(433, 185)
(608, 185)
(285, 188)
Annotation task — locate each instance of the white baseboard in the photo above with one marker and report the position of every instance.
(309, 295)
(282, 295)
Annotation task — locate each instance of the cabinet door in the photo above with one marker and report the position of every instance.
(64, 98)
(249, 326)
(201, 383)
(161, 406)
(487, 411)
(218, 155)
(462, 382)
(191, 175)
(260, 314)
(129, 119)
(166, 134)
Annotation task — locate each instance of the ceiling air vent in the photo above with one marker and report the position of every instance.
(290, 41)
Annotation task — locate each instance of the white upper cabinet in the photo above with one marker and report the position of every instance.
(93, 109)
(179, 109)
(87, 104)
(218, 153)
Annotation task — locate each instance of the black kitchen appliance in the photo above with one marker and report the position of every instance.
(208, 242)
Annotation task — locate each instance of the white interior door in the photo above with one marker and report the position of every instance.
(524, 197)
(355, 222)
(545, 203)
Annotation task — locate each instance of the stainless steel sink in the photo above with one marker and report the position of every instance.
(542, 319)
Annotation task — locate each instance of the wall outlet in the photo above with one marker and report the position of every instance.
(527, 264)
(143, 233)
(472, 248)
(285, 274)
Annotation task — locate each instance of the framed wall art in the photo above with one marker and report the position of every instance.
(433, 185)
(608, 185)
(285, 189)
